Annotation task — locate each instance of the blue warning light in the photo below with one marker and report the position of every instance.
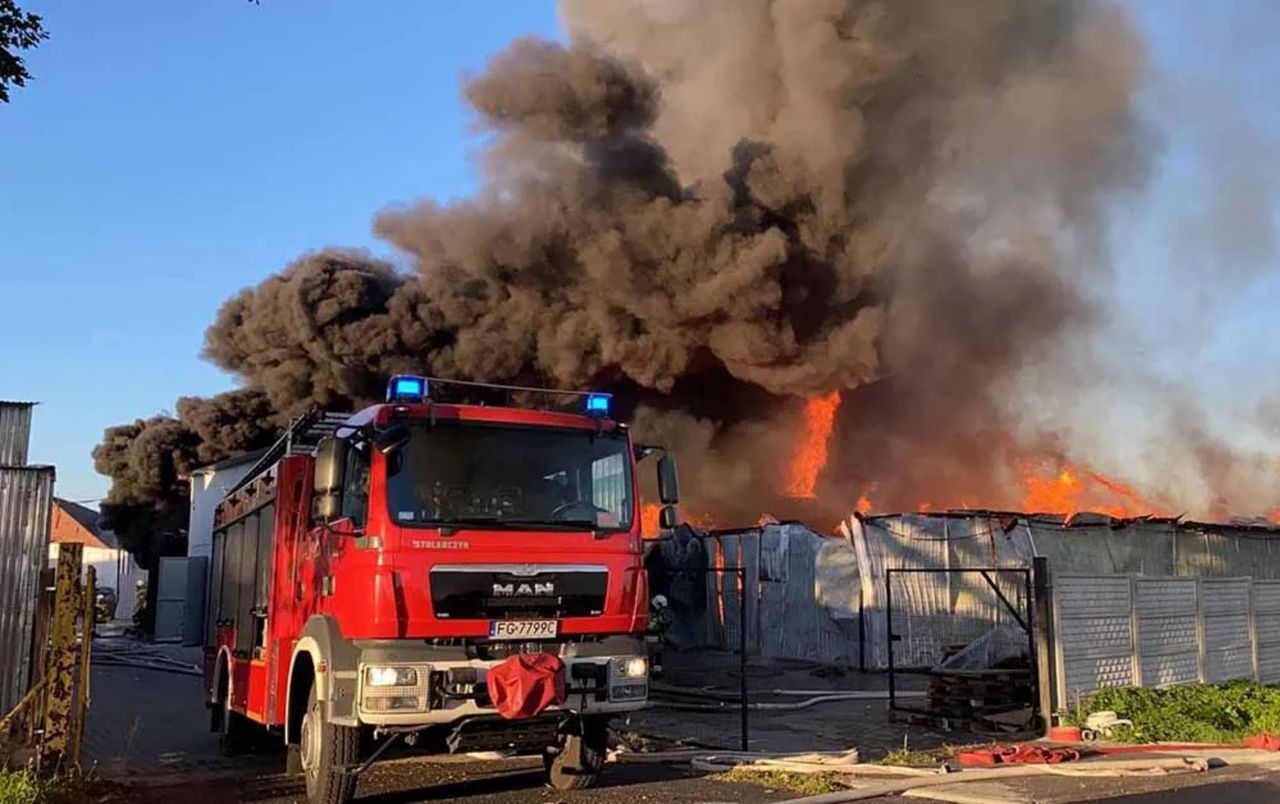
(407, 388)
(597, 404)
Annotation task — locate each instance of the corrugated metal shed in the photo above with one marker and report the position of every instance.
(26, 503)
(15, 432)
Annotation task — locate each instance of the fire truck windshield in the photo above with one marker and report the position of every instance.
(505, 476)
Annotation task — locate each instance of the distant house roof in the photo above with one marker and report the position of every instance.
(74, 523)
(234, 460)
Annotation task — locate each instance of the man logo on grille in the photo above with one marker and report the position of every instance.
(536, 589)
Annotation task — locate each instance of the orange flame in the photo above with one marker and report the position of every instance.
(650, 520)
(1071, 490)
(811, 450)
(649, 513)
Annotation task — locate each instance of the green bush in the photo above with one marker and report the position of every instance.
(1193, 713)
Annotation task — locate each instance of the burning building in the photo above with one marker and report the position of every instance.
(1147, 601)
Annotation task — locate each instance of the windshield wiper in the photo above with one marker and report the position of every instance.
(559, 524)
(499, 523)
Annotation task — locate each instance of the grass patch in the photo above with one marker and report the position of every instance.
(810, 784)
(23, 786)
(910, 758)
(907, 757)
(1193, 713)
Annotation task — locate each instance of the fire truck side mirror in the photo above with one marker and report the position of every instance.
(668, 517)
(392, 438)
(668, 481)
(331, 460)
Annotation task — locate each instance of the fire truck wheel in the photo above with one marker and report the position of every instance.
(236, 731)
(578, 760)
(326, 752)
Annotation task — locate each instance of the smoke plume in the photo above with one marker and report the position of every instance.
(719, 210)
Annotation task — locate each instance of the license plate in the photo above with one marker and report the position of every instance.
(523, 629)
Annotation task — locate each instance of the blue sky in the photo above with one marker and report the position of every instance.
(168, 154)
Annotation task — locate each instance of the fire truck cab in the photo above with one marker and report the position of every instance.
(444, 576)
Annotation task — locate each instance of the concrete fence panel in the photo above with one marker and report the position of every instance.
(1228, 643)
(1118, 630)
(1167, 627)
(1266, 628)
(1093, 624)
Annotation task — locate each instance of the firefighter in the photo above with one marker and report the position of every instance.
(660, 618)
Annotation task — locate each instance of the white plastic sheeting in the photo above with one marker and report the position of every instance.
(935, 612)
(794, 608)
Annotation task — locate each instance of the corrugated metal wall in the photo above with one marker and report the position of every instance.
(26, 504)
(15, 432)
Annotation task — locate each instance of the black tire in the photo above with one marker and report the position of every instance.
(326, 752)
(577, 762)
(236, 733)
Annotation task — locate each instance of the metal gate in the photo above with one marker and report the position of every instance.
(967, 637)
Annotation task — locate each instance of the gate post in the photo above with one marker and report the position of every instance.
(61, 668)
(1042, 624)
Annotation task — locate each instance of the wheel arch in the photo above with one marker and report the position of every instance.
(318, 656)
(222, 677)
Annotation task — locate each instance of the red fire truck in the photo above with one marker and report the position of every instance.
(433, 575)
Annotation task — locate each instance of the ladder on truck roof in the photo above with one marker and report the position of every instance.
(301, 438)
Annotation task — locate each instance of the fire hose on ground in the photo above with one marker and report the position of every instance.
(846, 766)
(903, 779)
(720, 701)
(1107, 769)
(141, 658)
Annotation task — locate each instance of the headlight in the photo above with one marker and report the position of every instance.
(635, 667)
(391, 676)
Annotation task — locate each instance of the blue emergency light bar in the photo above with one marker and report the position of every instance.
(598, 404)
(407, 388)
(412, 388)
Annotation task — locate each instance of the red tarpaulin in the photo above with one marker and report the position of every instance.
(526, 684)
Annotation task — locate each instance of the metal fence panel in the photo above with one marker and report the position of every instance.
(26, 506)
(15, 432)
(1167, 631)
(1228, 645)
(1094, 633)
(1266, 615)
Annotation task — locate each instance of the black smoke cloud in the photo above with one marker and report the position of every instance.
(718, 210)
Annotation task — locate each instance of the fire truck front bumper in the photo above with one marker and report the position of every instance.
(396, 688)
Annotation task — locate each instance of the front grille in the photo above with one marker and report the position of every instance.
(494, 594)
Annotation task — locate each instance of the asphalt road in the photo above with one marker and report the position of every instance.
(410, 781)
